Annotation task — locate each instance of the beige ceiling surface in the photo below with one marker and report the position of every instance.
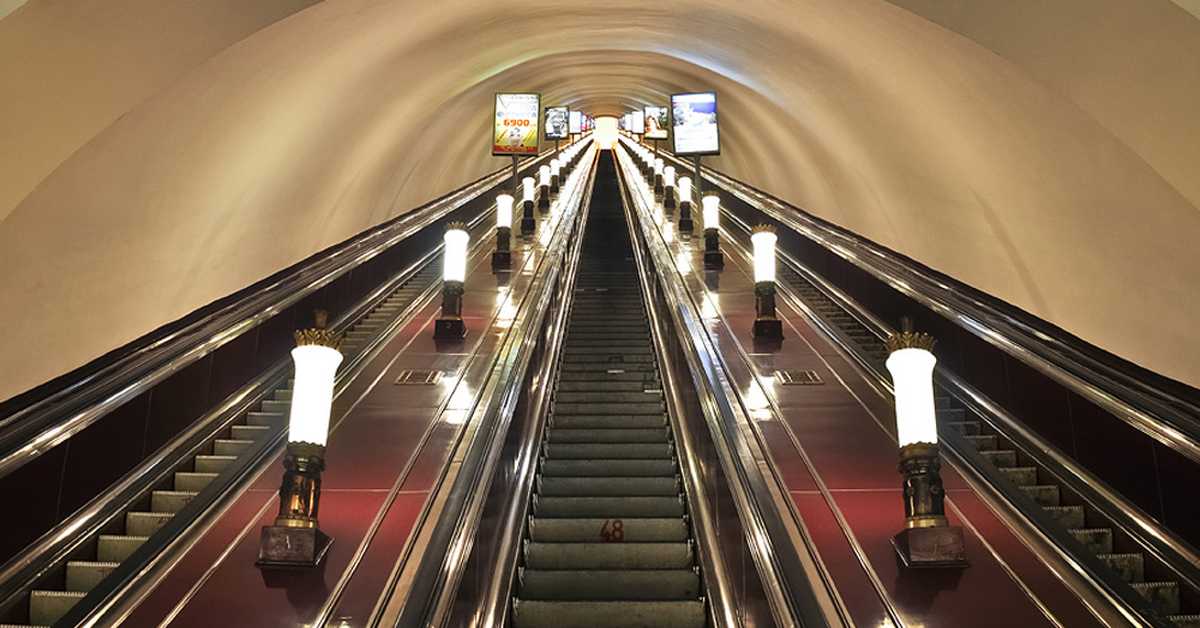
(353, 111)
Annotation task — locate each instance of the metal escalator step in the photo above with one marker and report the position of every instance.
(139, 523)
(636, 530)
(230, 447)
(1131, 567)
(1021, 476)
(611, 486)
(114, 548)
(595, 451)
(1043, 495)
(610, 467)
(988, 442)
(1096, 540)
(1067, 516)
(170, 501)
(1180, 621)
(966, 428)
(213, 464)
(598, 385)
(608, 555)
(953, 415)
(590, 614)
(610, 357)
(607, 507)
(656, 584)
(1164, 594)
(615, 421)
(607, 373)
(563, 434)
(283, 394)
(606, 349)
(609, 368)
(608, 396)
(83, 575)
(617, 407)
(46, 607)
(248, 432)
(272, 406)
(265, 418)
(623, 336)
(1001, 458)
(192, 481)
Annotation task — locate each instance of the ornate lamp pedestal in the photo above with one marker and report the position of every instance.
(296, 539)
(766, 325)
(450, 326)
(714, 259)
(502, 256)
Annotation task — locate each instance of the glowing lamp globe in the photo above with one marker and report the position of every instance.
(912, 378)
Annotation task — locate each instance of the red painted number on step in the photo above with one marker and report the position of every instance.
(613, 531)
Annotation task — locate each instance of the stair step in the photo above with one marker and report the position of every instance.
(1096, 540)
(213, 464)
(656, 584)
(1067, 516)
(603, 385)
(608, 507)
(610, 396)
(170, 501)
(248, 432)
(272, 406)
(653, 407)
(1185, 621)
(966, 428)
(637, 530)
(608, 555)
(606, 350)
(953, 415)
(192, 481)
(1043, 495)
(561, 434)
(987, 442)
(1131, 567)
(609, 467)
(610, 486)
(609, 358)
(592, 614)
(595, 451)
(230, 447)
(114, 548)
(579, 421)
(1021, 476)
(83, 575)
(1164, 594)
(46, 607)
(1001, 458)
(265, 418)
(610, 374)
(138, 523)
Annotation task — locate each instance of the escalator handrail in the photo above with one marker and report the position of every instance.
(1159, 413)
(38, 427)
(790, 588)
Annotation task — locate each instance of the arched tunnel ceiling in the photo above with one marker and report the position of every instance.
(349, 113)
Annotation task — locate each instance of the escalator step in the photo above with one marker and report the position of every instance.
(606, 397)
(604, 373)
(213, 464)
(114, 548)
(83, 575)
(610, 368)
(46, 607)
(145, 523)
(230, 447)
(562, 434)
(609, 486)
(1185, 621)
(657, 584)
(170, 501)
(265, 418)
(1021, 476)
(607, 357)
(610, 467)
(1131, 567)
(544, 614)
(598, 385)
(1164, 594)
(605, 349)
(653, 407)
(596, 530)
(608, 507)
(1043, 495)
(1096, 540)
(192, 481)
(608, 555)
(1067, 516)
(640, 422)
(595, 451)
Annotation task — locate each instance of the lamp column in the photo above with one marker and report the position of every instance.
(528, 223)
(502, 257)
(454, 273)
(766, 325)
(714, 259)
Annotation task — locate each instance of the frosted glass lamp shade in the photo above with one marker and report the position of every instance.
(544, 175)
(527, 185)
(454, 257)
(658, 166)
(312, 396)
(912, 377)
(712, 212)
(764, 256)
(669, 176)
(685, 189)
(555, 166)
(504, 210)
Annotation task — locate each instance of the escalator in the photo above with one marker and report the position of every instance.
(609, 539)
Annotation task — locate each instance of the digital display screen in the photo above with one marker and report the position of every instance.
(516, 128)
(655, 122)
(694, 124)
(556, 123)
(576, 122)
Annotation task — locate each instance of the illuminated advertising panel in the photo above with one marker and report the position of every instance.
(516, 129)
(694, 124)
(556, 123)
(638, 123)
(576, 122)
(655, 122)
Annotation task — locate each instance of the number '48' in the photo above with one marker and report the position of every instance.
(613, 531)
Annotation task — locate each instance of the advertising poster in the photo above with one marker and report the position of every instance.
(556, 123)
(694, 124)
(576, 122)
(516, 129)
(638, 124)
(656, 122)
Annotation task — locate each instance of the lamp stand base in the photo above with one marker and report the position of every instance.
(501, 260)
(714, 260)
(544, 202)
(528, 226)
(768, 329)
(931, 547)
(686, 225)
(283, 547)
(449, 329)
